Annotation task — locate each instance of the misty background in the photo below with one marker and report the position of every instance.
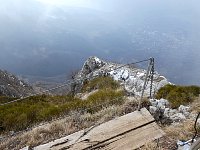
(46, 38)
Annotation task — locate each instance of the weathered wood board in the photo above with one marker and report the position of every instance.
(128, 132)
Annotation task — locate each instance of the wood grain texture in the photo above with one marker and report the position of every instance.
(128, 132)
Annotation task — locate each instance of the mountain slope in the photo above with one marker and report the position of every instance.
(103, 102)
(12, 86)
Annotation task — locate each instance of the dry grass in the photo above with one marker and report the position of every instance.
(151, 146)
(180, 131)
(63, 127)
(39, 135)
(174, 132)
(184, 130)
(195, 106)
(78, 121)
(177, 131)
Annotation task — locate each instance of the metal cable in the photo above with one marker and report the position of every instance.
(35, 94)
(84, 110)
(68, 82)
(132, 63)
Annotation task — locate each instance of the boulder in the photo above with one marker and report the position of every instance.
(170, 112)
(161, 111)
(91, 65)
(162, 103)
(153, 109)
(177, 117)
(184, 110)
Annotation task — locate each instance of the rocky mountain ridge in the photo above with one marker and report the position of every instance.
(12, 86)
(130, 77)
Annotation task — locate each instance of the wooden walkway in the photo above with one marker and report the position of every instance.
(128, 132)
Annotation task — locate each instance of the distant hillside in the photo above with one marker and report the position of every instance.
(12, 86)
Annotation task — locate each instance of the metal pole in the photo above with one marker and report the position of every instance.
(152, 74)
(145, 82)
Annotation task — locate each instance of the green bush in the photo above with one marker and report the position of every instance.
(28, 112)
(100, 83)
(195, 90)
(164, 91)
(178, 95)
(107, 96)
(19, 115)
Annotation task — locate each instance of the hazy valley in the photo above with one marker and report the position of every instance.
(67, 67)
(55, 40)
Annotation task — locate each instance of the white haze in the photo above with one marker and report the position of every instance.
(53, 37)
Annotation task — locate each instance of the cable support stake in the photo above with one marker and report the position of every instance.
(151, 63)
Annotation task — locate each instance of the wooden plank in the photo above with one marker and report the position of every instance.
(136, 138)
(114, 128)
(118, 126)
(52, 145)
(127, 132)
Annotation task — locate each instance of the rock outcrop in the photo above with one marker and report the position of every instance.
(12, 86)
(130, 77)
(161, 111)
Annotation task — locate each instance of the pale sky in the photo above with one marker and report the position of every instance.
(73, 3)
(37, 36)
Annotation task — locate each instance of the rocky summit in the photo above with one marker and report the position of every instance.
(12, 86)
(131, 77)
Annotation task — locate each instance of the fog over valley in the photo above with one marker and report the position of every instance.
(51, 38)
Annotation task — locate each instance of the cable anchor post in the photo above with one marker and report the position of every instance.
(149, 69)
(151, 77)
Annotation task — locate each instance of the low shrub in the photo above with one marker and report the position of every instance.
(28, 112)
(100, 83)
(25, 113)
(164, 91)
(107, 96)
(178, 95)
